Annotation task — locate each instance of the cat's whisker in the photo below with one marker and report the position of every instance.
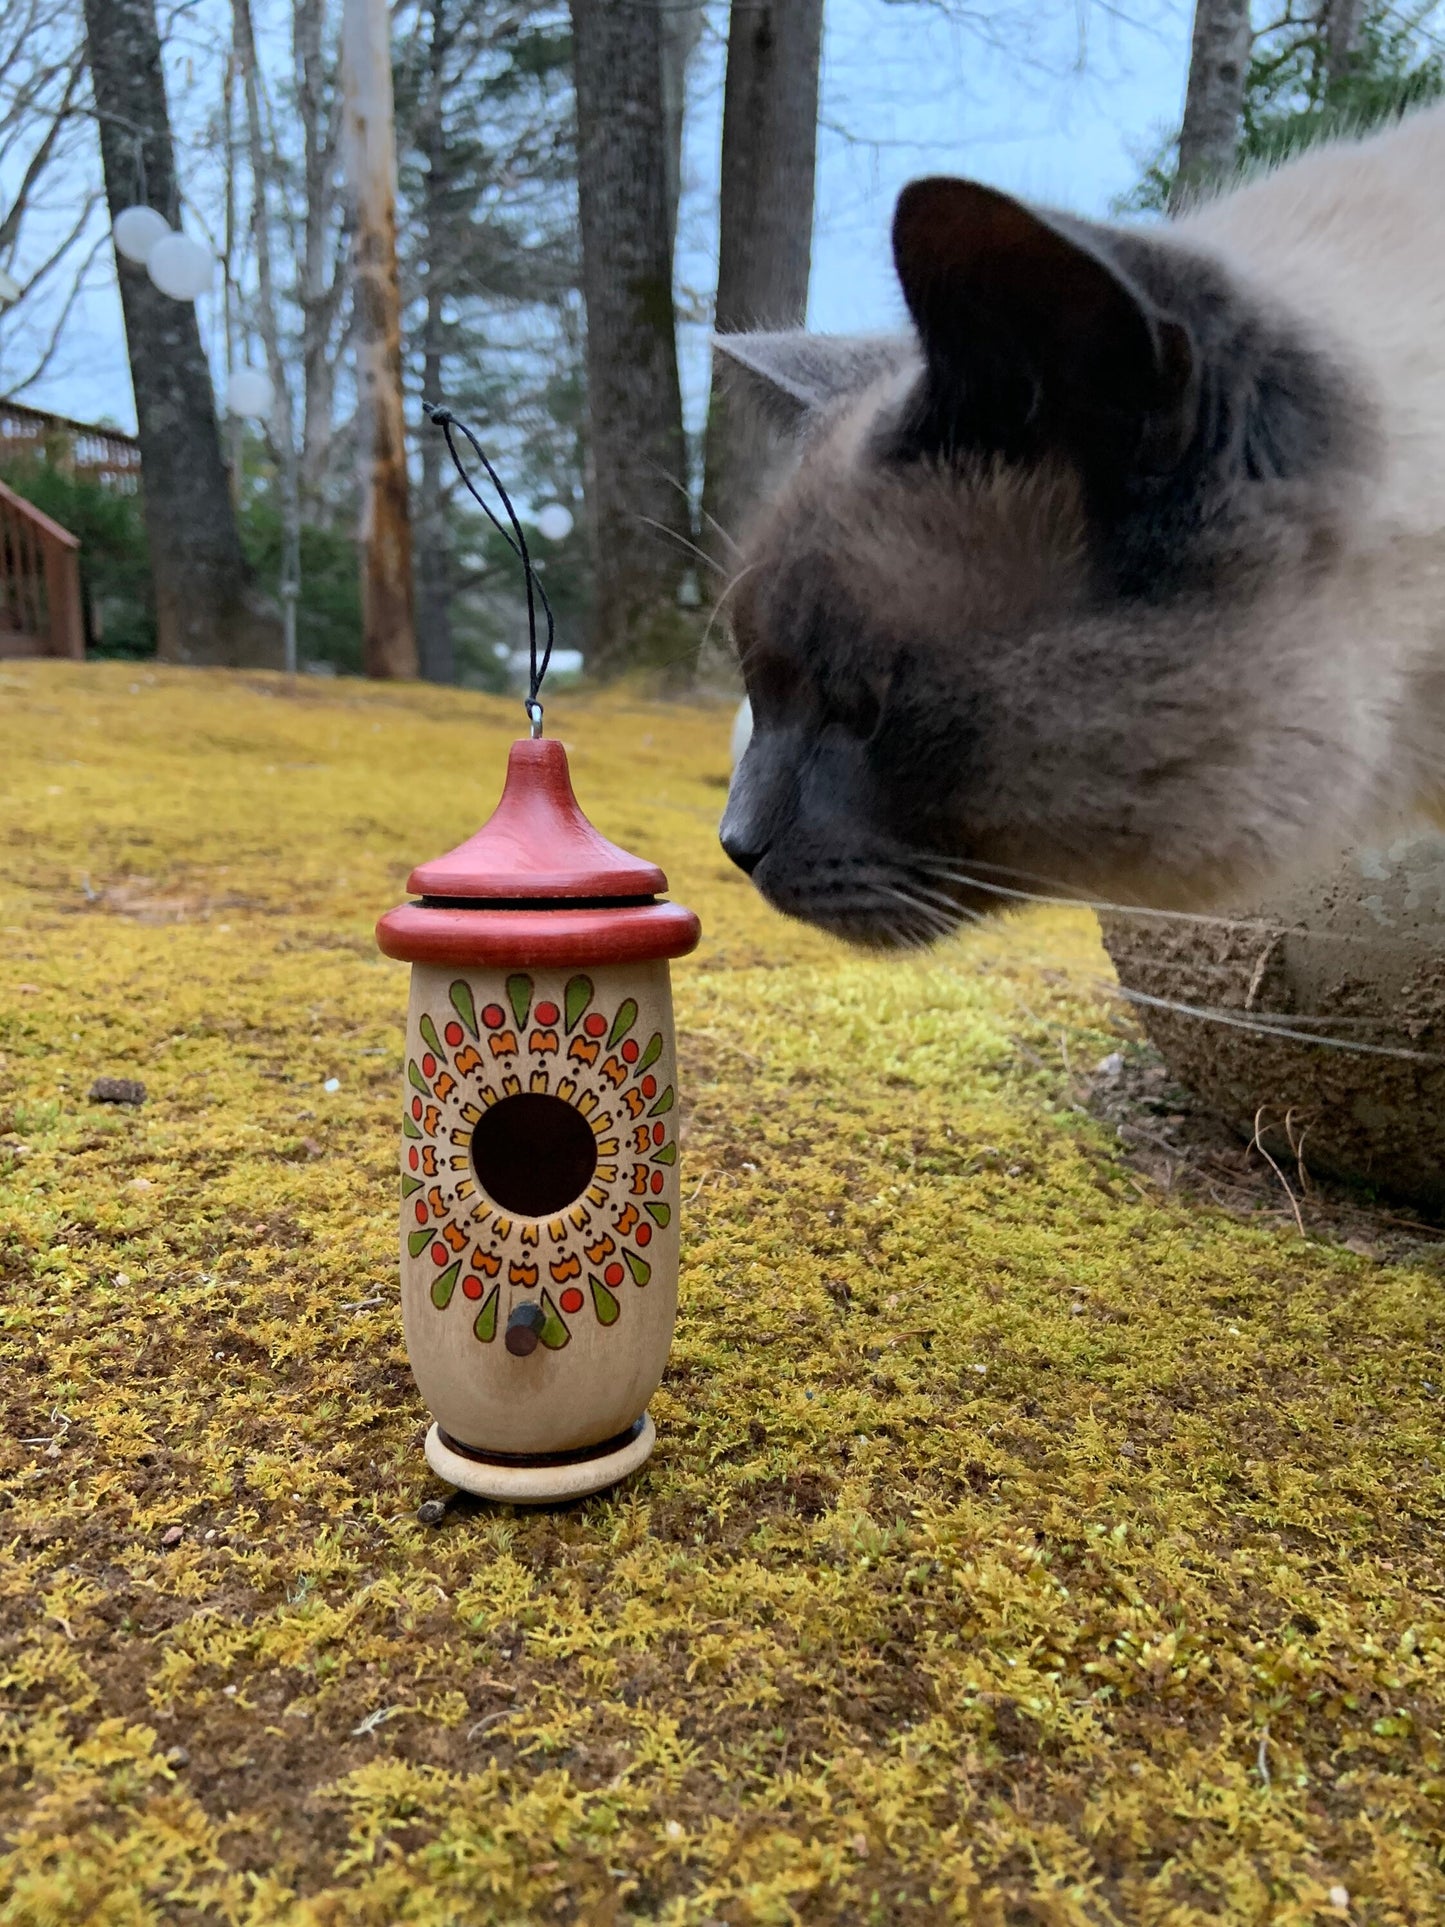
(683, 542)
(718, 606)
(1059, 897)
(706, 514)
(1239, 1020)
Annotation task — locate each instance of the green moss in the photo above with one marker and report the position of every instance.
(1021, 1545)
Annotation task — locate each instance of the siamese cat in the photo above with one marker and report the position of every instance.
(1124, 573)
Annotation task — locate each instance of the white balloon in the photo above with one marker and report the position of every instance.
(555, 522)
(249, 392)
(136, 230)
(181, 267)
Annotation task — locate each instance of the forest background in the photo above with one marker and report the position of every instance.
(582, 194)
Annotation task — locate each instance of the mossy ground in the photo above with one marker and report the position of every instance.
(1022, 1544)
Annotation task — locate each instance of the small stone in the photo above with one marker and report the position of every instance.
(431, 1512)
(229, 1691)
(142, 1184)
(117, 1090)
(332, 1084)
(311, 1147)
(177, 1756)
(1339, 1897)
(673, 1830)
(859, 1845)
(122, 1279)
(210, 1532)
(173, 1535)
(1111, 1065)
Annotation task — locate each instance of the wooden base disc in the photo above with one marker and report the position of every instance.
(541, 1483)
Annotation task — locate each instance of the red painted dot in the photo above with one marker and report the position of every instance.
(547, 1013)
(630, 1051)
(643, 1234)
(494, 1016)
(649, 1086)
(656, 1182)
(595, 1024)
(571, 1299)
(613, 1275)
(659, 1133)
(428, 1065)
(472, 1287)
(416, 1109)
(420, 1212)
(439, 1254)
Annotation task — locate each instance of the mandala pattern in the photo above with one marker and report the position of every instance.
(592, 1061)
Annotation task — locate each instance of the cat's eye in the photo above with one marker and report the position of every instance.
(857, 708)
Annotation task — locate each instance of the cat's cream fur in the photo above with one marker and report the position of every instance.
(1127, 571)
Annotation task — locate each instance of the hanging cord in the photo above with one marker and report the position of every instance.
(516, 541)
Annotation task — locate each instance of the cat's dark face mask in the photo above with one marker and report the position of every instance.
(1001, 624)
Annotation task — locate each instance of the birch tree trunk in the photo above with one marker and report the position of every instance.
(770, 139)
(388, 633)
(433, 547)
(208, 609)
(282, 425)
(641, 521)
(322, 277)
(1342, 35)
(1214, 100)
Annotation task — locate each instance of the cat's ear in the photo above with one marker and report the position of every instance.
(793, 374)
(1001, 294)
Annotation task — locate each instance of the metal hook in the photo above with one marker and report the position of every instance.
(534, 716)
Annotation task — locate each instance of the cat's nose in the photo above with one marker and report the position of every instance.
(741, 851)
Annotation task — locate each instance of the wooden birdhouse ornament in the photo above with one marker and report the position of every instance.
(539, 1154)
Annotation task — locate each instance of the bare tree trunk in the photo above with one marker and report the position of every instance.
(1342, 22)
(1214, 99)
(283, 413)
(682, 26)
(388, 635)
(639, 454)
(433, 548)
(770, 140)
(207, 607)
(322, 279)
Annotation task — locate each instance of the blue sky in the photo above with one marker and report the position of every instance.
(906, 91)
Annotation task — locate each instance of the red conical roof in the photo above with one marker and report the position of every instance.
(537, 885)
(536, 843)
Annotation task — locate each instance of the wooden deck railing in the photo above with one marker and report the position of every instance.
(104, 455)
(40, 606)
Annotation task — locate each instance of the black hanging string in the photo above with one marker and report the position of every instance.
(516, 541)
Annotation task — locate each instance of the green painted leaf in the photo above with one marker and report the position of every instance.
(639, 1267)
(519, 993)
(554, 1333)
(667, 1155)
(485, 1326)
(650, 1056)
(417, 1241)
(461, 996)
(662, 1213)
(409, 1125)
(575, 999)
(603, 1303)
(444, 1285)
(664, 1103)
(413, 1071)
(433, 1042)
(409, 1185)
(622, 1023)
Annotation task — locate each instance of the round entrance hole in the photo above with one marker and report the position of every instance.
(534, 1155)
